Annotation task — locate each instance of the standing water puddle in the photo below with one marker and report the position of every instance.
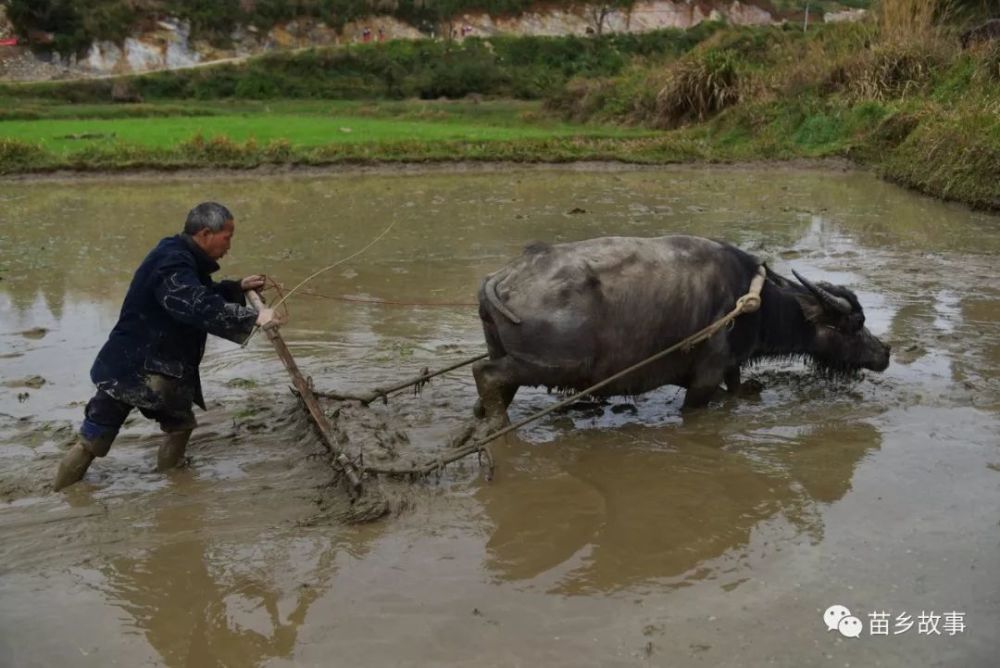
(614, 534)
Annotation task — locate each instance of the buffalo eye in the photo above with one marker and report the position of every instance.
(849, 324)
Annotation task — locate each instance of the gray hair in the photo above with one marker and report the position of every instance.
(207, 215)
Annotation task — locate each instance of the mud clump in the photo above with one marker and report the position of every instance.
(378, 437)
(31, 382)
(35, 333)
(372, 436)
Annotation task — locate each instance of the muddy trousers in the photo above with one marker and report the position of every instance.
(104, 417)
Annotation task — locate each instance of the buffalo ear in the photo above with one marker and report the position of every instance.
(812, 308)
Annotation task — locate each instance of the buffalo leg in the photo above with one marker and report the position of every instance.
(508, 396)
(705, 379)
(736, 386)
(699, 396)
(496, 386)
(732, 380)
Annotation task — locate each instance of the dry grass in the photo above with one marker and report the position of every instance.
(911, 20)
(988, 56)
(16, 154)
(803, 67)
(583, 99)
(889, 70)
(697, 87)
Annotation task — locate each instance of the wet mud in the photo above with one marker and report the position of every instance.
(616, 532)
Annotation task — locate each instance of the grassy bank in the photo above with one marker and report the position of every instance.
(905, 99)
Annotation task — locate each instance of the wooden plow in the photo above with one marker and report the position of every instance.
(304, 389)
(354, 472)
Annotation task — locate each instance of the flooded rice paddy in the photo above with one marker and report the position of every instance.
(613, 534)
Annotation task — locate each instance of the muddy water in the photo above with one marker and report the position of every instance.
(614, 534)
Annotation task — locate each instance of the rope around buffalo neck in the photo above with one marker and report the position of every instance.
(748, 303)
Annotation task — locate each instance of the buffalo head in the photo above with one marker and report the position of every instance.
(842, 343)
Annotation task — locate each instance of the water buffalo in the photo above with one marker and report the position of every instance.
(570, 315)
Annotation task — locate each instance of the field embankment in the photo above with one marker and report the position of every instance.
(902, 95)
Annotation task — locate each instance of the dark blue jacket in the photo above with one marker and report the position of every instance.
(171, 306)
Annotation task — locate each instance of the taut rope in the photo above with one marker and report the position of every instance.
(335, 264)
(284, 297)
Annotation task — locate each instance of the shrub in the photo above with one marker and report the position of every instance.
(697, 87)
(216, 150)
(16, 155)
(458, 78)
(582, 99)
(278, 150)
(888, 70)
(894, 130)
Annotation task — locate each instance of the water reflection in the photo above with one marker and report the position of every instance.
(609, 511)
(199, 604)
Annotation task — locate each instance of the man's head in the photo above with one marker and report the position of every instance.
(211, 226)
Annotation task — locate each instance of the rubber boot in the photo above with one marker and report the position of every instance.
(73, 465)
(171, 451)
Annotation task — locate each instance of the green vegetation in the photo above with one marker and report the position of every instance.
(519, 67)
(75, 24)
(248, 134)
(898, 94)
(301, 125)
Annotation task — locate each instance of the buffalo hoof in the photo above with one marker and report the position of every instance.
(495, 423)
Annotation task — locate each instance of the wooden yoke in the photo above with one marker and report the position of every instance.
(306, 394)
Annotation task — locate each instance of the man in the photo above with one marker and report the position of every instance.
(151, 358)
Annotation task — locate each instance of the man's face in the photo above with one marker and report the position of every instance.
(216, 244)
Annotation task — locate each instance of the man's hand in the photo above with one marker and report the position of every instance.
(267, 318)
(254, 282)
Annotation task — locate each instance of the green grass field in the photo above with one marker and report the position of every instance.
(66, 129)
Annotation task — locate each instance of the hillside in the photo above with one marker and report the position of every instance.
(71, 39)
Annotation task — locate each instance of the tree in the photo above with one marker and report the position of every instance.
(597, 13)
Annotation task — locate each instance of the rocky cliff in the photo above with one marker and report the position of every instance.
(169, 44)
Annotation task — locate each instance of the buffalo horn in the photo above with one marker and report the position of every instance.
(494, 299)
(837, 303)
